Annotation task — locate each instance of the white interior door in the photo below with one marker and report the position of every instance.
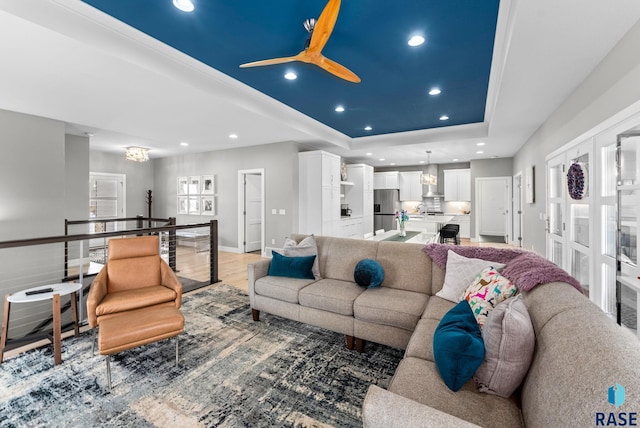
(253, 212)
(493, 197)
(107, 196)
(555, 217)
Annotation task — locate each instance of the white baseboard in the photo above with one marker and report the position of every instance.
(229, 249)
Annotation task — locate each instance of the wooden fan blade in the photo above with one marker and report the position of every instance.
(337, 69)
(271, 61)
(324, 26)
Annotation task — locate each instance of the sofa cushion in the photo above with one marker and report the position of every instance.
(342, 256)
(488, 290)
(291, 267)
(509, 343)
(368, 273)
(405, 266)
(389, 306)
(458, 349)
(419, 380)
(421, 342)
(437, 307)
(331, 295)
(460, 272)
(306, 247)
(127, 300)
(281, 288)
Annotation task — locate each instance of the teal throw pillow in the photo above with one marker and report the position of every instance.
(292, 267)
(458, 349)
(368, 273)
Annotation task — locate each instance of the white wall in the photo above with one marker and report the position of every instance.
(280, 163)
(612, 87)
(32, 172)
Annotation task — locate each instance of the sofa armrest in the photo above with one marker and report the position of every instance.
(256, 271)
(169, 279)
(382, 408)
(97, 291)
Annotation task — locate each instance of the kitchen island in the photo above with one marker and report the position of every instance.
(419, 238)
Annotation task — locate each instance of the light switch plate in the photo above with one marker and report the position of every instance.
(282, 211)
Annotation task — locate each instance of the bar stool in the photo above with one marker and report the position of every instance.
(450, 233)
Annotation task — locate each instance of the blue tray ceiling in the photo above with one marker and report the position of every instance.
(369, 38)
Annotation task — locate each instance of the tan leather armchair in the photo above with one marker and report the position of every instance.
(134, 277)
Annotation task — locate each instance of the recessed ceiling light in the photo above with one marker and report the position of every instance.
(184, 5)
(415, 40)
(480, 144)
(291, 76)
(421, 161)
(381, 159)
(494, 157)
(435, 91)
(455, 160)
(368, 128)
(233, 136)
(479, 152)
(184, 144)
(340, 109)
(444, 117)
(369, 154)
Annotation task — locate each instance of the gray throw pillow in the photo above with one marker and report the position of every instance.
(509, 342)
(306, 247)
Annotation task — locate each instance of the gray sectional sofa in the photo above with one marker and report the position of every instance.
(579, 351)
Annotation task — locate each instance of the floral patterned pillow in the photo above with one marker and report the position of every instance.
(487, 290)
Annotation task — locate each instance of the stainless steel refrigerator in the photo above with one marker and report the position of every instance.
(385, 204)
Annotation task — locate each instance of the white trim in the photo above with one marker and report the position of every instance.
(124, 189)
(241, 236)
(514, 210)
(229, 249)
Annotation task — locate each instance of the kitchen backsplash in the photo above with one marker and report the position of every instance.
(437, 204)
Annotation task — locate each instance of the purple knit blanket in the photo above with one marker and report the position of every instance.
(525, 269)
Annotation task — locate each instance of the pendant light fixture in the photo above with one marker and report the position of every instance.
(428, 177)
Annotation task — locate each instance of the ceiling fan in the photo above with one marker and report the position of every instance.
(319, 31)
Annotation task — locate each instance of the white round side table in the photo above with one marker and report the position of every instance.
(53, 292)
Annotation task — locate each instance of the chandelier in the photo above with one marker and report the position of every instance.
(137, 154)
(427, 177)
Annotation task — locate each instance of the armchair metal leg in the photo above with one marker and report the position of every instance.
(93, 342)
(177, 343)
(108, 372)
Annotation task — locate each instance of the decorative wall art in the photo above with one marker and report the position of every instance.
(196, 195)
(208, 185)
(183, 205)
(194, 205)
(194, 185)
(183, 186)
(207, 205)
(577, 181)
(529, 183)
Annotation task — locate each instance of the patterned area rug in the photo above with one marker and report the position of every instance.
(233, 372)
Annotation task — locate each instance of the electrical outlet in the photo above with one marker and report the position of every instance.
(273, 211)
(282, 211)
(273, 241)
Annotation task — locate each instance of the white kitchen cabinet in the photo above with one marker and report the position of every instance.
(386, 180)
(319, 193)
(410, 186)
(360, 195)
(457, 185)
(351, 228)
